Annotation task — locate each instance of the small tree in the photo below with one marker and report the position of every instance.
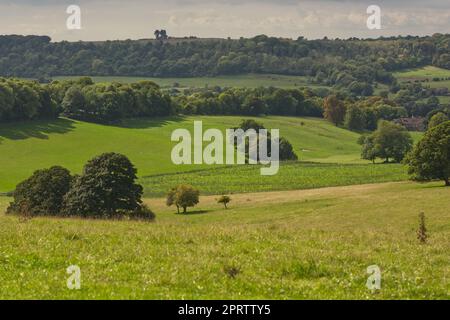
(171, 199)
(355, 118)
(224, 200)
(183, 196)
(334, 110)
(388, 141)
(42, 193)
(368, 151)
(422, 231)
(430, 158)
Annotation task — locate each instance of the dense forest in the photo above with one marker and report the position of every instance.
(332, 62)
(350, 69)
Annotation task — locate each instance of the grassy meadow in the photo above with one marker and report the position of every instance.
(26, 147)
(309, 232)
(311, 244)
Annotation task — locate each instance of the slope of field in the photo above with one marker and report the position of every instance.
(25, 147)
(313, 244)
(249, 80)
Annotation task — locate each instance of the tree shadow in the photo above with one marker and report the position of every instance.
(146, 123)
(190, 213)
(35, 129)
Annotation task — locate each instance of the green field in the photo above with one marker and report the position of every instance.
(428, 72)
(312, 244)
(248, 80)
(291, 176)
(25, 147)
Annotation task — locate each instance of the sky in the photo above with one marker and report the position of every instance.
(137, 19)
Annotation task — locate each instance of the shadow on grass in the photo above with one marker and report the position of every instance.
(190, 213)
(146, 123)
(39, 129)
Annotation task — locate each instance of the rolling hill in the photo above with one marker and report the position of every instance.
(28, 146)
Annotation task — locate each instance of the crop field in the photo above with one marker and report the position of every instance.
(26, 147)
(249, 81)
(291, 176)
(310, 244)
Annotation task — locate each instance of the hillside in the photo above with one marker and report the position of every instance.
(28, 146)
(314, 244)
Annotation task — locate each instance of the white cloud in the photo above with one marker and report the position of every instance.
(114, 19)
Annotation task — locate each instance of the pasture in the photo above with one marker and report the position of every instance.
(311, 244)
(26, 147)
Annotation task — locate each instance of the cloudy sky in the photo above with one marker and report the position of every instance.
(135, 19)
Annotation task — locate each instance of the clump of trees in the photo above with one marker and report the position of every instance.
(389, 141)
(430, 158)
(25, 100)
(183, 196)
(105, 189)
(249, 101)
(286, 150)
(107, 102)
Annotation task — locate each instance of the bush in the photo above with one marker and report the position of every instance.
(42, 193)
(106, 188)
(141, 213)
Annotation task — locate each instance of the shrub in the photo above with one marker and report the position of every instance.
(422, 231)
(106, 188)
(42, 193)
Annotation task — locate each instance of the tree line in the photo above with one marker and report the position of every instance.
(83, 99)
(352, 63)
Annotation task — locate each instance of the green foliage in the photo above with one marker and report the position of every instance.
(183, 196)
(353, 62)
(25, 100)
(224, 200)
(430, 158)
(286, 151)
(106, 188)
(334, 110)
(42, 193)
(437, 119)
(388, 141)
(355, 118)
